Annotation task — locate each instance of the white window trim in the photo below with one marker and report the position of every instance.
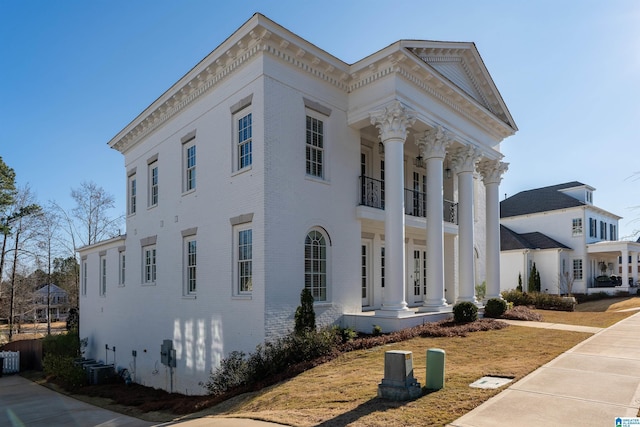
(573, 268)
(237, 229)
(186, 291)
(151, 186)
(189, 141)
(237, 116)
(132, 194)
(327, 272)
(102, 281)
(150, 277)
(84, 276)
(577, 227)
(122, 268)
(325, 146)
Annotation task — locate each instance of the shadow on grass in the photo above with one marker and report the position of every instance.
(369, 407)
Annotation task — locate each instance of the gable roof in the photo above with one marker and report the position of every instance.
(55, 290)
(510, 240)
(461, 64)
(540, 200)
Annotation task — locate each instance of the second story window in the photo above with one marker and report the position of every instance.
(315, 147)
(153, 184)
(190, 177)
(244, 137)
(132, 192)
(189, 162)
(577, 227)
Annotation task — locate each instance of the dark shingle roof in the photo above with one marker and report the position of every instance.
(540, 200)
(510, 240)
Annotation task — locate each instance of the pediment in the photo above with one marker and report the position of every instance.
(461, 65)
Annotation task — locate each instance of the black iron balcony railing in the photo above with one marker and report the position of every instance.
(415, 202)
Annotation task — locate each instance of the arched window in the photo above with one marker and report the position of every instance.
(315, 264)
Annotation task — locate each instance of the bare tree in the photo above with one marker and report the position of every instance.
(93, 205)
(565, 283)
(25, 231)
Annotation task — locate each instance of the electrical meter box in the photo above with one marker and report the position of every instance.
(168, 354)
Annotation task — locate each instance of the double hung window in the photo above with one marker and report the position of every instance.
(315, 147)
(244, 138)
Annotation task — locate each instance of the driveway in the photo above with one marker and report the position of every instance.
(24, 403)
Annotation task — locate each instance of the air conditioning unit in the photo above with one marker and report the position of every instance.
(100, 374)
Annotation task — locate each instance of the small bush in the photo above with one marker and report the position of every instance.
(232, 373)
(495, 308)
(465, 312)
(346, 334)
(376, 330)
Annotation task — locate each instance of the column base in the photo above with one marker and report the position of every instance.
(488, 297)
(394, 312)
(434, 306)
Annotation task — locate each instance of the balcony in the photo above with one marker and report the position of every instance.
(415, 202)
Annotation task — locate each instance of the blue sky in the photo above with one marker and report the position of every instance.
(74, 73)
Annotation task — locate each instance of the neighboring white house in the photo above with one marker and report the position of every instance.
(568, 238)
(271, 166)
(58, 303)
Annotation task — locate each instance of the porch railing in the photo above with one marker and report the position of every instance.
(415, 202)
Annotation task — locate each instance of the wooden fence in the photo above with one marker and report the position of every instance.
(30, 353)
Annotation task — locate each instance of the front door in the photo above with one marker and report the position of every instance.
(419, 276)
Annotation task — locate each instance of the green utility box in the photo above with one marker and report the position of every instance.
(435, 369)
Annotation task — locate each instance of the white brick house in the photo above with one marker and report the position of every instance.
(273, 165)
(560, 230)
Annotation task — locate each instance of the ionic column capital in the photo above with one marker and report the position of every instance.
(492, 170)
(465, 159)
(433, 143)
(393, 121)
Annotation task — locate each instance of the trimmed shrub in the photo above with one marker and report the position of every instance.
(539, 300)
(518, 298)
(465, 312)
(59, 353)
(495, 308)
(376, 330)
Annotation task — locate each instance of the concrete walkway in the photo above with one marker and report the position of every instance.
(589, 385)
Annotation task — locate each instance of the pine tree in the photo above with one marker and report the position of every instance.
(531, 283)
(305, 316)
(519, 288)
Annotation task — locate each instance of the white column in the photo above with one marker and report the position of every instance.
(491, 171)
(392, 123)
(634, 267)
(432, 145)
(625, 267)
(464, 163)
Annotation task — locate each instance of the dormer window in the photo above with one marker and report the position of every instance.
(590, 197)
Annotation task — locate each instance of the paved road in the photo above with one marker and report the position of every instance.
(26, 404)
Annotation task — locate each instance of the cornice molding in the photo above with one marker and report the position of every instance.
(266, 37)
